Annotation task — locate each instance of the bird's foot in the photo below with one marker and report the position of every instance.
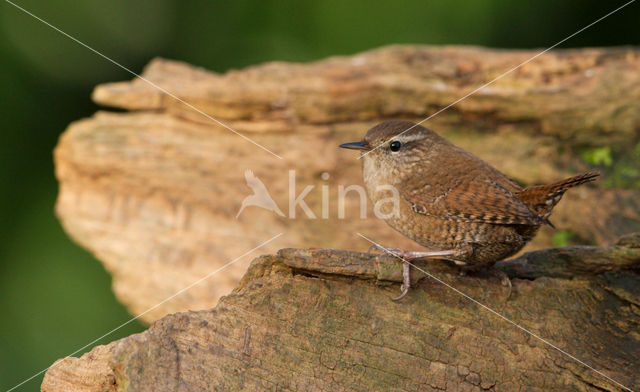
(383, 249)
(412, 255)
(406, 280)
(407, 257)
(504, 280)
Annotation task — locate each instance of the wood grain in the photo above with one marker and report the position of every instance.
(323, 319)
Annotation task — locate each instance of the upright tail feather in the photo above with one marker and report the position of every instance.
(542, 198)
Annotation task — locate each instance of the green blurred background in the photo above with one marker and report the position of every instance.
(54, 297)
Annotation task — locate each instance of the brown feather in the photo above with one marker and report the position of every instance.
(454, 200)
(542, 198)
(479, 200)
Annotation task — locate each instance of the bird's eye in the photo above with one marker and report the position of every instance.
(395, 145)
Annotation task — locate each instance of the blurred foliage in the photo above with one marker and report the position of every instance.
(55, 297)
(598, 156)
(621, 168)
(626, 171)
(562, 237)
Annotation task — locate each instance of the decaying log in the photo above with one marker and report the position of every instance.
(323, 320)
(154, 192)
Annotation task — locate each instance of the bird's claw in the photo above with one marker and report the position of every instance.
(406, 280)
(406, 265)
(405, 290)
(506, 282)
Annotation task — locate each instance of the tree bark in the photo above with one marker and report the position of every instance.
(154, 191)
(323, 319)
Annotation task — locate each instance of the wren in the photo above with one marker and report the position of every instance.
(451, 202)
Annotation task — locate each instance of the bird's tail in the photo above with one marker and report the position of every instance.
(542, 198)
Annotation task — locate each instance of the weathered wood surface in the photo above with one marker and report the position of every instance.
(153, 192)
(311, 320)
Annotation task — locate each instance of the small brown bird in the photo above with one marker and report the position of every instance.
(450, 201)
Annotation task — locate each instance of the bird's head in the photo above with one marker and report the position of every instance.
(392, 148)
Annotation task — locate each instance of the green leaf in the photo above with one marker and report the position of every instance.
(561, 238)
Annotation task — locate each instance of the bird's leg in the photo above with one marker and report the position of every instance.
(407, 257)
(411, 255)
(406, 279)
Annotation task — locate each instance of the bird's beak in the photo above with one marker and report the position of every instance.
(361, 145)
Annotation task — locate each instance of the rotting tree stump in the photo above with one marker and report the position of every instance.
(153, 191)
(323, 320)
